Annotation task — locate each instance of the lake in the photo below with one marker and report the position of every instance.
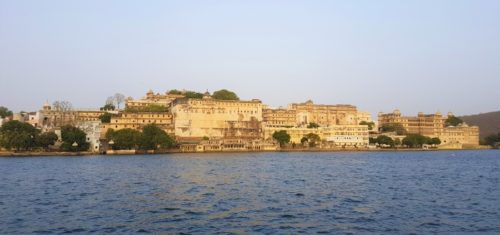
(259, 193)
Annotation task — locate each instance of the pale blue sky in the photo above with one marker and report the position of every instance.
(378, 55)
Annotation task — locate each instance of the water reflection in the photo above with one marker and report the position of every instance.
(421, 192)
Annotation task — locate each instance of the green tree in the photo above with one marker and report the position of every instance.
(225, 95)
(18, 135)
(105, 117)
(5, 112)
(385, 140)
(397, 142)
(282, 137)
(107, 107)
(372, 140)
(313, 139)
(125, 138)
(415, 140)
(154, 138)
(435, 141)
(312, 125)
(453, 121)
(46, 139)
(109, 134)
(71, 135)
(193, 95)
(369, 124)
(492, 140)
(303, 140)
(393, 127)
(174, 92)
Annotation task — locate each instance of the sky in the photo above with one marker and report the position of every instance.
(422, 55)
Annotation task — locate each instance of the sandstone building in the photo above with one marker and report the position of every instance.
(433, 125)
(208, 117)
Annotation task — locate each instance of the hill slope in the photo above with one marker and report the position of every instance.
(489, 123)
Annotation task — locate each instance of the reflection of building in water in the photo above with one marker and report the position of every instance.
(207, 117)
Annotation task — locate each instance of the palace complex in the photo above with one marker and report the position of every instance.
(204, 122)
(433, 125)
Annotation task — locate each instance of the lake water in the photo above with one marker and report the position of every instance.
(260, 193)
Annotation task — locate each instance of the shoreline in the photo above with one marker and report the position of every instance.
(70, 154)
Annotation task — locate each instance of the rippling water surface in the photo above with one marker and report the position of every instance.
(264, 193)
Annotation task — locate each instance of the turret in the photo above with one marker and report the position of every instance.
(46, 106)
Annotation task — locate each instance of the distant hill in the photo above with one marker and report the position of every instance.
(489, 123)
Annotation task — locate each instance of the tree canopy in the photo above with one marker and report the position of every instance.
(156, 108)
(5, 112)
(385, 140)
(153, 138)
(46, 139)
(174, 92)
(312, 139)
(71, 135)
(492, 140)
(393, 127)
(282, 137)
(225, 95)
(416, 140)
(193, 95)
(453, 121)
(124, 139)
(369, 124)
(18, 135)
(105, 117)
(312, 125)
(107, 107)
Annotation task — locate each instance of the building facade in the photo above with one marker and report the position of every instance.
(207, 117)
(337, 136)
(138, 120)
(279, 117)
(151, 98)
(433, 125)
(324, 115)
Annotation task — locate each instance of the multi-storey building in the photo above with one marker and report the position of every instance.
(279, 117)
(208, 117)
(49, 118)
(467, 136)
(331, 137)
(432, 125)
(152, 98)
(325, 115)
(138, 120)
(423, 124)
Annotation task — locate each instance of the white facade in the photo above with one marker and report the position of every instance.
(93, 131)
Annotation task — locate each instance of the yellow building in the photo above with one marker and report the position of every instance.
(50, 118)
(433, 125)
(423, 124)
(325, 115)
(207, 117)
(152, 98)
(331, 137)
(138, 120)
(463, 135)
(279, 117)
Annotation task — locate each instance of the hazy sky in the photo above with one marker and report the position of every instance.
(378, 55)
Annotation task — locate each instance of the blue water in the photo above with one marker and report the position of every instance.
(259, 193)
